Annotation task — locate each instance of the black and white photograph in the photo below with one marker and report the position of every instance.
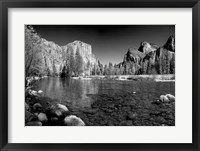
(99, 75)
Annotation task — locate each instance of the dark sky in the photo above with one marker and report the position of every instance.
(109, 42)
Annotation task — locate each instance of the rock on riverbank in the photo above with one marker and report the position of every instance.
(42, 111)
(117, 109)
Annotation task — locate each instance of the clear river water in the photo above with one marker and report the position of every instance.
(78, 92)
(111, 102)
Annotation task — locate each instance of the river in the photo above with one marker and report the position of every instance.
(111, 102)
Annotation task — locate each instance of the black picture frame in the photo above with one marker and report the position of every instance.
(5, 4)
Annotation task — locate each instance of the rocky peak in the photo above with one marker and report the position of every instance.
(170, 44)
(78, 42)
(133, 55)
(147, 47)
(84, 48)
(150, 59)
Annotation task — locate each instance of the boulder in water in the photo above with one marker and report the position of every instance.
(42, 117)
(37, 107)
(37, 78)
(163, 98)
(54, 119)
(40, 91)
(62, 107)
(27, 108)
(131, 116)
(73, 120)
(34, 123)
(29, 116)
(59, 110)
(32, 92)
(170, 97)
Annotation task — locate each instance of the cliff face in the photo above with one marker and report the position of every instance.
(132, 62)
(170, 44)
(55, 58)
(146, 47)
(161, 61)
(44, 57)
(150, 59)
(51, 57)
(85, 50)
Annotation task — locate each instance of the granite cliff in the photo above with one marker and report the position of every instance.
(89, 61)
(150, 59)
(47, 58)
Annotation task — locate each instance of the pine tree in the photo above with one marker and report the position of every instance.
(54, 71)
(71, 64)
(47, 71)
(78, 63)
(110, 66)
(106, 70)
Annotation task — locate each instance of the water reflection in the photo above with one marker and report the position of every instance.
(68, 90)
(79, 92)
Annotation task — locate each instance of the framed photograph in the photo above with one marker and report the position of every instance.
(99, 75)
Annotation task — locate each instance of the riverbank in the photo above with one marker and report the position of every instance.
(43, 111)
(156, 78)
(108, 110)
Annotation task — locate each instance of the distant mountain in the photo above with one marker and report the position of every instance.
(146, 47)
(150, 59)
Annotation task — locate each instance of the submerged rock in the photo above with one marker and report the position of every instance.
(163, 98)
(37, 78)
(59, 110)
(37, 107)
(42, 117)
(170, 97)
(36, 114)
(35, 123)
(58, 113)
(166, 98)
(29, 116)
(29, 80)
(54, 119)
(62, 107)
(40, 91)
(126, 123)
(131, 116)
(73, 120)
(32, 92)
(91, 111)
(27, 108)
